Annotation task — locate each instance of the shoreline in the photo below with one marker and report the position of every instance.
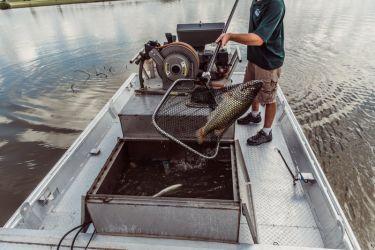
(40, 3)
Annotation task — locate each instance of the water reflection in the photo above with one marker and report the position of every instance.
(329, 83)
(60, 64)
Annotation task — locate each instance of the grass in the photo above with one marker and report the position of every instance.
(37, 3)
(4, 5)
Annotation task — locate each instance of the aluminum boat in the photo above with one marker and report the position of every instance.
(104, 192)
(279, 200)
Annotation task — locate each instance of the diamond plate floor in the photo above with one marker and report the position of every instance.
(283, 215)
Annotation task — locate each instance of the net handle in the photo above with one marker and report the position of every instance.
(161, 131)
(207, 74)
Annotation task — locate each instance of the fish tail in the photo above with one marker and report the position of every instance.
(200, 135)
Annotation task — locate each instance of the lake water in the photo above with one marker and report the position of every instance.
(60, 64)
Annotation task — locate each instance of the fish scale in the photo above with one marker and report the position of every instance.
(234, 104)
(178, 120)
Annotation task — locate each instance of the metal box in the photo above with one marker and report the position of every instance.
(210, 219)
(199, 34)
(136, 118)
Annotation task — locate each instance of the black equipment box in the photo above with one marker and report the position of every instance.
(199, 34)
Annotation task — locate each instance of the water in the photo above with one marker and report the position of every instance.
(211, 180)
(60, 64)
(145, 168)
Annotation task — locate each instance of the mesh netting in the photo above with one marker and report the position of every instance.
(186, 108)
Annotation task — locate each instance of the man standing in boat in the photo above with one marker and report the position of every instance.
(265, 55)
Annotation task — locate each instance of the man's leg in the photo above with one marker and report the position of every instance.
(254, 115)
(270, 112)
(255, 106)
(269, 115)
(267, 96)
(265, 134)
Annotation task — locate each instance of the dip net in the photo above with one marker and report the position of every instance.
(185, 109)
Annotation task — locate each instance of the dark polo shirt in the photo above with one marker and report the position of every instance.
(266, 20)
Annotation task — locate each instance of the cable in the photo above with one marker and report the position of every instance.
(92, 235)
(67, 233)
(75, 237)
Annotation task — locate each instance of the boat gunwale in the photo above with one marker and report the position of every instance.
(43, 184)
(318, 173)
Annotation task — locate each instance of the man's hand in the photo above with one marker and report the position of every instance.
(224, 39)
(250, 39)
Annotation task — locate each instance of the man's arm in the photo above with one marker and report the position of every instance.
(251, 39)
(273, 16)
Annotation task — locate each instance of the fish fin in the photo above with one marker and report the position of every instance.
(200, 135)
(209, 117)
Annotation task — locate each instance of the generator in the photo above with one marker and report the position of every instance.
(185, 56)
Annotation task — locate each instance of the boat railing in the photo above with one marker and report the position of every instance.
(337, 212)
(53, 180)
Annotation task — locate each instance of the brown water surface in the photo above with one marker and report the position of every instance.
(60, 64)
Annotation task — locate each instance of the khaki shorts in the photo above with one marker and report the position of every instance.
(267, 94)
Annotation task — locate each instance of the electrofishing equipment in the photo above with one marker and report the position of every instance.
(180, 117)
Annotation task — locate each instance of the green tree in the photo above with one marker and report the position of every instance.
(4, 5)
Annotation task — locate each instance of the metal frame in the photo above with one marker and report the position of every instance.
(129, 215)
(236, 58)
(247, 201)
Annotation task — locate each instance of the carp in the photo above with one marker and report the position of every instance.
(234, 104)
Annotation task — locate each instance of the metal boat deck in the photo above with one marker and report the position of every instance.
(283, 214)
(287, 216)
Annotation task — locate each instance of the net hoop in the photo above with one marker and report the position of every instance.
(164, 133)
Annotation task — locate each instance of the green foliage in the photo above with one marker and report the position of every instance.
(4, 5)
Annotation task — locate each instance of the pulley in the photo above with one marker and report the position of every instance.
(180, 61)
